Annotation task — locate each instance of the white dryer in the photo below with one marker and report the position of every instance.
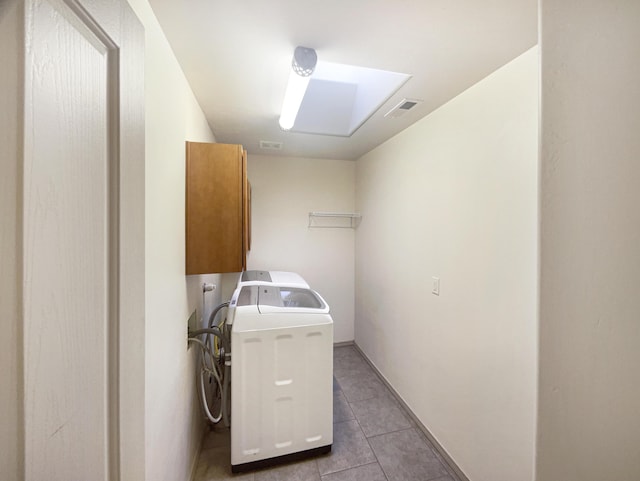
(281, 375)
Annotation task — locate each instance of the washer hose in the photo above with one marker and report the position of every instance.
(214, 361)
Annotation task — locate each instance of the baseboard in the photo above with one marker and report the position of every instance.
(443, 452)
(196, 458)
(343, 343)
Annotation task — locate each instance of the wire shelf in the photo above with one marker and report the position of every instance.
(353, 219)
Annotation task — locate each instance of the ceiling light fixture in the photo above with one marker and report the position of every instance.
(302, 66)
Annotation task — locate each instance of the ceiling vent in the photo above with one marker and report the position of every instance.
(270, 145)
(402, 108)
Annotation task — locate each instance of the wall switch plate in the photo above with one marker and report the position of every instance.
(435, 289)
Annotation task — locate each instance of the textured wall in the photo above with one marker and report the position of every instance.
(284, 191)
(454, 196)
(589, 419)
(173, 420)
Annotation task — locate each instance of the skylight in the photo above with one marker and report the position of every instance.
(340, 98)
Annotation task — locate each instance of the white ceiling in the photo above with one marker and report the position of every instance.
(236, 55)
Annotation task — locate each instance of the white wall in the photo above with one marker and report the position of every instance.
(284, 191)
(11, 418)
(589, 406)
(174, 424)
(454, 196)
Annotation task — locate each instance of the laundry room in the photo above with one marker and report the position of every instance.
(438, 209)
(426, 272)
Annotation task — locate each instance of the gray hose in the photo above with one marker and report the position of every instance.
(212, 317)
(222, 331)
(208, 330)
(204, 350)
(212, 324)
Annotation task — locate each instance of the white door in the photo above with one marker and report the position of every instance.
(83, 241)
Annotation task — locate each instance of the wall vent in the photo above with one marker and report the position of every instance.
(270, 145)
(402, 108)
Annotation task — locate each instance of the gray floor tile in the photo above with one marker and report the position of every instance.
(404, 455)
(362, 405)
(380, 415)
(341, 409)
(350, 449)
(336, 386)
(345, 351)
(216, 437)
(214, 464)
(452, 475)
(301, 471)
(350, 366)
(361, 386)
(369, 472)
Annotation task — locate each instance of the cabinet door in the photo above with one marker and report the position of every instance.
(248, 216)
(246, 212)
(216, 183)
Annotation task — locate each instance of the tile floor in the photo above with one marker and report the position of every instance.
(373, 438)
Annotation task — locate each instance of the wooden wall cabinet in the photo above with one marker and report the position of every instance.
(217, 208)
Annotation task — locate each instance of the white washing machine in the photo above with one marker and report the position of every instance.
(281, 278)
(281, 375)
